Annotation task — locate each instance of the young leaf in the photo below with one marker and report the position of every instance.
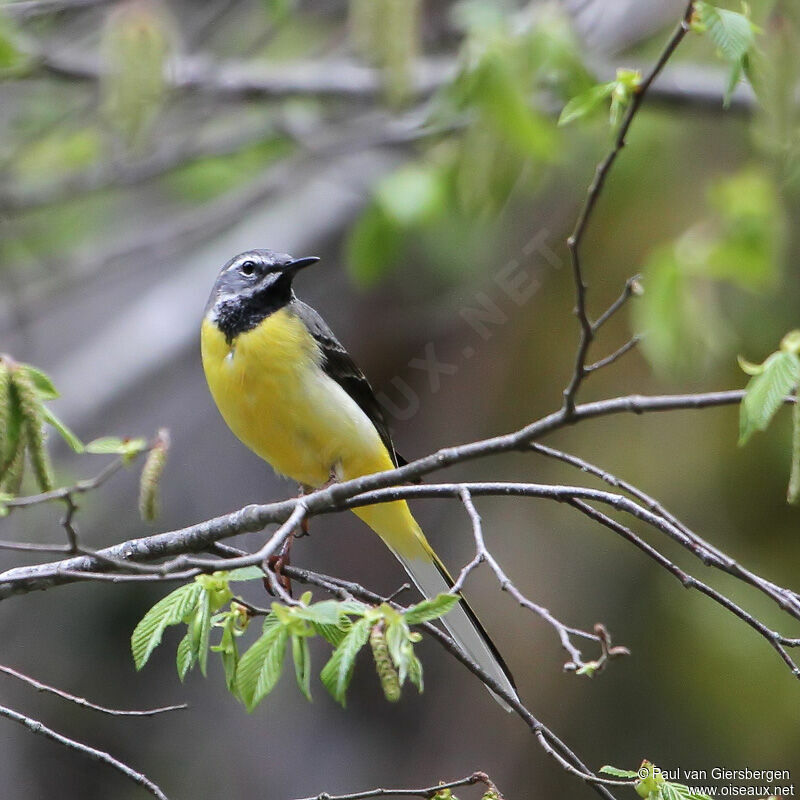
(583, 105)
(301, 655)
(731, 32)
(185, 657)
(66, 434)
(170, 610)
(336, 674)
(618, 773)
(42, 382)
(333, 634)
(245, 574)
(201, 629)
(765, 393)
(260, 667)
(430, 609)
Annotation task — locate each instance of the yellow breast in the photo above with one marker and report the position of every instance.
(272, 392)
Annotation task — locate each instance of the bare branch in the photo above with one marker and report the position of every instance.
(201, 536)
(83, 702)
(39, 728)
(428, 791)
(482, 554)
(777, 640)
(587, 328)
(23, 9)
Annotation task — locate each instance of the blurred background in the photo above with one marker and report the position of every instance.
(414, 146)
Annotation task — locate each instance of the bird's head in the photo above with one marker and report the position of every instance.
(250, 287)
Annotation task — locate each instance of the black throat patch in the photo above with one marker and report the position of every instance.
(240, 314)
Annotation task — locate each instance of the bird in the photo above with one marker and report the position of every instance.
(289, 390)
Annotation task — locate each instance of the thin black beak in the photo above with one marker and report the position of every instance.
(300, 263)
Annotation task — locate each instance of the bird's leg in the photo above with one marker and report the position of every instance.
(279, 560)
(282, 559)
(301, 491)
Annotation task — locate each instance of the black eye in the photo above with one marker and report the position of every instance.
(247, 268)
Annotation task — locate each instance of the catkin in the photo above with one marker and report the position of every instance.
(5, 417)
(149, 495)
(387, 672)
(30, 406)
(11, 478)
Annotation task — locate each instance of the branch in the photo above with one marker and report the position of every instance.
(428, 791)
(24, 9)
(39, 728)
(587, 328)
(83, 702)
(482, 554)
(548, 740)
(252, 518)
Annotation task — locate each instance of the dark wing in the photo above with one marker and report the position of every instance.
(338, 365)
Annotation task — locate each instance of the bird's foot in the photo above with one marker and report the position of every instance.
(276, 563)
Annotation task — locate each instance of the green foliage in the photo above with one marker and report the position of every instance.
(741, 243)
(621, 91)
(57, 154)
(734, 36)
(650, 783)
(770, 383)
(114, 445)
(24, 390)
(207, 178)
(345, 624)
(13, 62)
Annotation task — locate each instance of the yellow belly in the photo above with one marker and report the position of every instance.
(274, 396)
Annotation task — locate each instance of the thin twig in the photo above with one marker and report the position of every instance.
(777, 640)
(428, 791)
(39, 728)
(587, 328)
(548, 740)
(83, 702)
(615, 356)
(482, 554)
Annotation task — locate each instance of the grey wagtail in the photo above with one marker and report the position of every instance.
(289, 390)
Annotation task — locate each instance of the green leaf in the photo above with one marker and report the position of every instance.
(412, 194)
(227, 647)
(398, 640)
(200, 629)
(260, 667)
(374, 246)
(731, 32)
(337, 673)
(765, 393)
(245, 574)
(185, 656)
(66, 434)
(619, 773)
(430, 609)
(42, 382)
(114, 445)
(170, 610)
(415, 673)
(498, 93)
(333, 634)
(301, 655)
(584, 104)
